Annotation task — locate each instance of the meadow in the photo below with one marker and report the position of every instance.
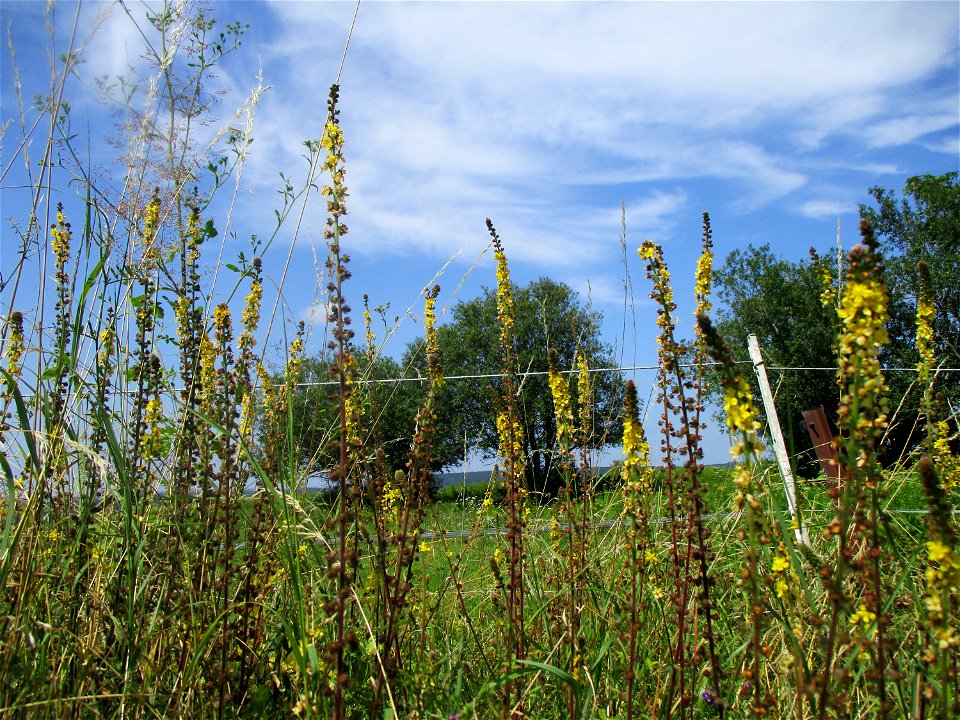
(159, 558)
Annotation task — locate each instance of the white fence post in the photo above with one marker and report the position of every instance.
(776, 434)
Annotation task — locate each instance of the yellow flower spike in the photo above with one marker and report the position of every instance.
(863, 617)
(926, 313)
(585, 396)
(704, 274)
(560, 391)
(151, 227)
(151, 441)
(635, 447)
(505, 313)
(250, 317)
(863, 312)
(15, 343)
(433, 341)
(828, 294)
(62, 236)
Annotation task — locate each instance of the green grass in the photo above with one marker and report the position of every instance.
(680, 593)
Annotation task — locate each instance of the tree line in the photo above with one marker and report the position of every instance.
(779, 300)
(550, 316)
(782, 303)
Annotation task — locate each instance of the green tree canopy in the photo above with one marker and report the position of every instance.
(389, 412)
(550, 315)
(921, 226)
(779, 302)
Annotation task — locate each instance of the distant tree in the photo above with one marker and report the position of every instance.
(779, 302)
(550, 315)
(923, 225)
(388, 416)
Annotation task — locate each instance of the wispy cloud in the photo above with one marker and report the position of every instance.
(908, 129)
(460, 110)
(827, 208)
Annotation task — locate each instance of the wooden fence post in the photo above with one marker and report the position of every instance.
(776, 434)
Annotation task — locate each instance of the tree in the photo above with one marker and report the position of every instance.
(779, 302)
(389, 412)
(550, 315)
(922, 226)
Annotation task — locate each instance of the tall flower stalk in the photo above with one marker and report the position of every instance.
(742, 420)
(511, 441)
(680, 422)
(341, 558)
(637, 478)
(566, 509)
(862, 421)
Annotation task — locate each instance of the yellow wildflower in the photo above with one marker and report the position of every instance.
(926, 313)
(864, 617)
(780, 587)
(392, 495)
(221, 319)
(510, 432)
(863, 312)
(250, 317)
(560, 391)
(152, 440)
(585, 396)
(15, 343)
(704, 273)
(505, 302)
(947, 464)
(636, 451)
(151, 226)
(433, 341)
(61, 239)
(828, 296)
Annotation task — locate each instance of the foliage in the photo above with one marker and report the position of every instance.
(549, 315)
(922, 226)
(780, 302)
(390, 409)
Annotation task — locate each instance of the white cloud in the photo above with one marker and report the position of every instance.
(903, 130)
(652, 216)
(314, 316)
(456, 111)
(544, 115)
(949, 146)
(826, 208)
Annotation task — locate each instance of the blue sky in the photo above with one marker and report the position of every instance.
(774, 117)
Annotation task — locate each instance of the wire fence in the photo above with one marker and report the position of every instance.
(624, 369)
(540, 373)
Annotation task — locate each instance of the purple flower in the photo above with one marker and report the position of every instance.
(707, 697)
